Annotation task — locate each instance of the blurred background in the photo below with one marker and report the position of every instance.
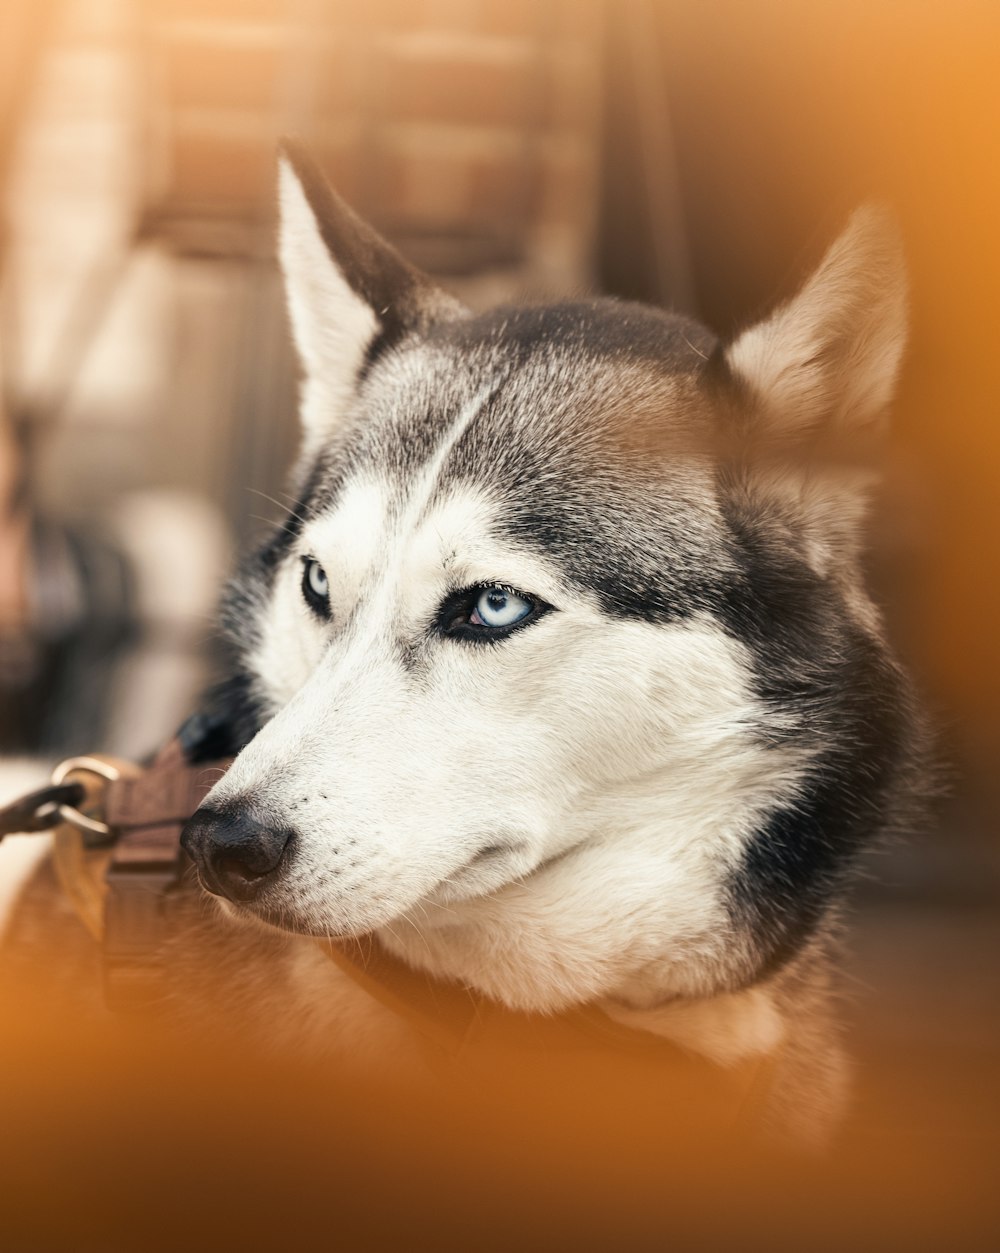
(694, 153)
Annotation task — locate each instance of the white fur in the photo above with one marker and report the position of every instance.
(332, 326)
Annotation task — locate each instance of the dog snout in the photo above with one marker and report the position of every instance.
(237, 853)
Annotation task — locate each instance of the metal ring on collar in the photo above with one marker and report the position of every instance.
(91, 765)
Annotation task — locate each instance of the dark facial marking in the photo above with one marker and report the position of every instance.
(845, 700)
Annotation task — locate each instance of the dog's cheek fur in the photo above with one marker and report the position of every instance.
(673, 779)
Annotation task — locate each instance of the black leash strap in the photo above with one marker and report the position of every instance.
(39, 811)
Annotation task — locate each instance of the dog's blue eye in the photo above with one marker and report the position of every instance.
(316, 587)
(488, 615)
(499, 607)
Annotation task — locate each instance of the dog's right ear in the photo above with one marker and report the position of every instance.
(826, 362)
(350, 293)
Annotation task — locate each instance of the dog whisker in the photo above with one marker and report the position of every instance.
(293, 510)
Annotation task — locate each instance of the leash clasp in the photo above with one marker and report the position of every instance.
(97, 831)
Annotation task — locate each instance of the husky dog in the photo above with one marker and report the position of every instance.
(561, 678)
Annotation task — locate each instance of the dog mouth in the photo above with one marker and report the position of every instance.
(489, 869)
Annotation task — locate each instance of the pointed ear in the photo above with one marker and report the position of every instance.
(826, 362)
(350, 293)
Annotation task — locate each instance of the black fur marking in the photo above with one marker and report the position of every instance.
(643, 583)
(795, 867)
(228, 720)
(840, 694)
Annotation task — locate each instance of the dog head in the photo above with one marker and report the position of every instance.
(566, 677)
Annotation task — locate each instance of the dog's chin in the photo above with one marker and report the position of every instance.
(274, 919)
(254, 917)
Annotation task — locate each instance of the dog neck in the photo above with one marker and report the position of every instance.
(574, 935)
(726, 1028)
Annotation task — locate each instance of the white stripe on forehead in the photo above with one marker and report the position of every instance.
(426, 482)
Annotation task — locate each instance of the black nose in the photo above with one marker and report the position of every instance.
(237, 853)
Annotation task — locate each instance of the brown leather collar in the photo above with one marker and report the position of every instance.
(122, 885)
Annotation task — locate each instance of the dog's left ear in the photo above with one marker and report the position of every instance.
(350, 293)
(827, 361)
